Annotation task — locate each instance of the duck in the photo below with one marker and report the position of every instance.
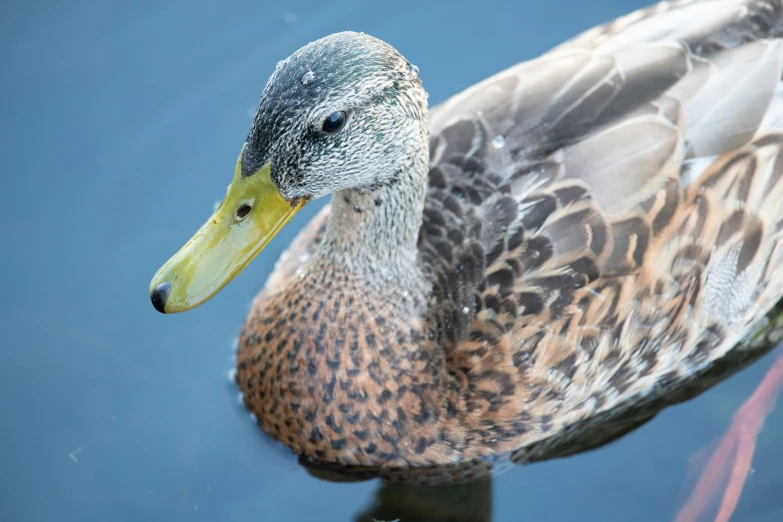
(530, 268)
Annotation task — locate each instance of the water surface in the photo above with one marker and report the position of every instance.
(120, 123)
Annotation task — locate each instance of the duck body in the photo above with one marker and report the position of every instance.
(549, 255)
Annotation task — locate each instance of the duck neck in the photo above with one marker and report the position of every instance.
(374, 231)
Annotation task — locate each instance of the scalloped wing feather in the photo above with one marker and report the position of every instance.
(645, 160)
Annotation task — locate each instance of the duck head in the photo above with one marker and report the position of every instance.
(340, 113)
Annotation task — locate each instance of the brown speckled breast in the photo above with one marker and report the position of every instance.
(344, 376)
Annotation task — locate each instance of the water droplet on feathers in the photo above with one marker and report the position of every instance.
(308, 77)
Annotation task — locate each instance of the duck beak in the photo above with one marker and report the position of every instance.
(252, 212)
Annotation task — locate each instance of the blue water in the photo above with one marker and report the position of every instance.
(119, 126)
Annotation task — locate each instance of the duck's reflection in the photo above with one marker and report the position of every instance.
(412, 502)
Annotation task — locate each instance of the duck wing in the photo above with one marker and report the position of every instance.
(603, 222)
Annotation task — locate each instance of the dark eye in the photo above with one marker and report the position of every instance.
(335, 121)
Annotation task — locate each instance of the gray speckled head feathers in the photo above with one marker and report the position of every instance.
(350, 72)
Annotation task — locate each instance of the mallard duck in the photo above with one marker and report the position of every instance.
(576, 238)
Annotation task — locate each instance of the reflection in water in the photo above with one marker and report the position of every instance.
(468, 502)
(454, 503)
(738, 444)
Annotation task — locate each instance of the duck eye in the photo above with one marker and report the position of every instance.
(335, 121)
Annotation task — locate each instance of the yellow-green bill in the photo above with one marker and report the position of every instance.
(252, 212)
